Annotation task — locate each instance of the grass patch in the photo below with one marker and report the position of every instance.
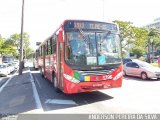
(154, 64)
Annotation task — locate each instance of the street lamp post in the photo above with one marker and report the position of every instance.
(21, 63)
(103, 10)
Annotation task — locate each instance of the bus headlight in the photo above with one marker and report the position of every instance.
(71, 79)
(118, 76)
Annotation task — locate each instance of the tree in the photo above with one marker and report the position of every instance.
(153, 41)
(127, 35)
(6, 47)
(138, 51)
(141, 35)
(134, 38)
(15, 40)
(1, 44)
(29, 53)
(11, 45)
(1, 41)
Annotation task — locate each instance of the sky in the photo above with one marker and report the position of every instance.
(43, 17)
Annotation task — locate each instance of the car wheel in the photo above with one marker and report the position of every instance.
(144, 75)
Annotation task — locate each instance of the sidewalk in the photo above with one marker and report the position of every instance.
(17, 95)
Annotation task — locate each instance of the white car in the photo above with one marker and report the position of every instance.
(141, 69)
(16, 64)
(4, 70)
(11, 67)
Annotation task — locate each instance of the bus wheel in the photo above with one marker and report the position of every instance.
(54, 81)
(41, 72)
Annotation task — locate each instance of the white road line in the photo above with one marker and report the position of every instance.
(36, 96)
(38, 83)
(60, 101)
(2, 87)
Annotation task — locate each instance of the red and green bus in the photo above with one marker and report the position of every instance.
(82, 56)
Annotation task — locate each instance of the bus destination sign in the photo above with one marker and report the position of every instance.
(90, 25)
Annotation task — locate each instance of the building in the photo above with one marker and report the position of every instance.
(154, 24)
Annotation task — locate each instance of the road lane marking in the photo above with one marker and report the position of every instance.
(38, 82)
(3, 86)
(35, 95)
(60, 101)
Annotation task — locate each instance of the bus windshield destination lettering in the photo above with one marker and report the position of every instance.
(90, 25)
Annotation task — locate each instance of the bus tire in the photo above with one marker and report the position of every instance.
(54, 82)
(41, 72)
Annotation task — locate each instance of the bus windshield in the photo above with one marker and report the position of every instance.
(92, 48)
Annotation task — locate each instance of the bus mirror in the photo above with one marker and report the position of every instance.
(60, 36)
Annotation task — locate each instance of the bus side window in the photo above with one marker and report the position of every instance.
(53, 45)
(41, 50)
(49, 47)
(46, 48)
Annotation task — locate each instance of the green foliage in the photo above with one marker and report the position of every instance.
(126, 32)
(153, 41)
(138, 51)
(11, 45)
(15, 39)
(1, 41)
(132, 38)
(141, 35)
(29, 52)
(6, 47)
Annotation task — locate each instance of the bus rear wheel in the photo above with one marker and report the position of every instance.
(41, 72)
(54, 82)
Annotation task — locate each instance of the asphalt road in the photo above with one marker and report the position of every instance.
(135, 96)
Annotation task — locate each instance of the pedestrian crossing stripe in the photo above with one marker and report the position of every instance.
(60, 101)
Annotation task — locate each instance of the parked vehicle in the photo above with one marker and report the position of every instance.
(11, 67)
(7, 59)
(4, 70)
(141, 69)
(16, 64)
(125, 60)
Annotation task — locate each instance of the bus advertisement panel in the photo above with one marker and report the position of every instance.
(82, 56)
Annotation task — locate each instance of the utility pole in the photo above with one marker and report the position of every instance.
(103, 10)
(21, 62)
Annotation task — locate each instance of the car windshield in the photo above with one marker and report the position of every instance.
(92, 48)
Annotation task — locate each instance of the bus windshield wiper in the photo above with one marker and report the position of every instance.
(83, 34)
(87, 40)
